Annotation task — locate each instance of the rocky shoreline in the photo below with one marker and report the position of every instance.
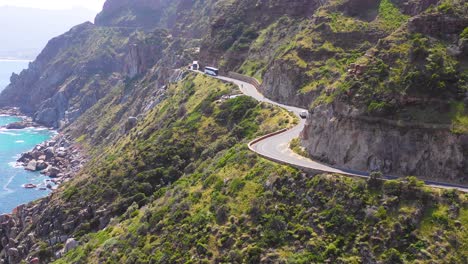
(25, 122)
(57, 158)
(11, 111)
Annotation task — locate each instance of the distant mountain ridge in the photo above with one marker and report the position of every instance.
(26, 31)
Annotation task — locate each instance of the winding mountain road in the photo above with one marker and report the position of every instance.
(276, 146)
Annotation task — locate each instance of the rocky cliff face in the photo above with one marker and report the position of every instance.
(77, 69)
(337, 136)
(234, 26)
(126, 13)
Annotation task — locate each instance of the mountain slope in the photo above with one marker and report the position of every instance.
(170, 179)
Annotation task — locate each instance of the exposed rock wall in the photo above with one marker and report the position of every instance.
(337, 136)
(281, 83)
(446, 27)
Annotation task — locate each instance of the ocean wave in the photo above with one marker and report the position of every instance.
(5, 187)
(4, 131)
(40, 129)
(15, 164)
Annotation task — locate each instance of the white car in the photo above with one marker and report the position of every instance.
(304, 114)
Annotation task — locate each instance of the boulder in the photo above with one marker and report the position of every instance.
(37, 153)
(70, 245)
(131, 123)
(41, 165)
(32, 165)
(13, 254)
(61, 152)
(53, 172)
(25, 157)
(17, 125)
(49, 152)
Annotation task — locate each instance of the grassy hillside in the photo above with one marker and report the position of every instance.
(188, 127)
(416, 73)
(237, 208)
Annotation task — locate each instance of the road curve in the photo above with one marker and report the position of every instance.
(276, 146)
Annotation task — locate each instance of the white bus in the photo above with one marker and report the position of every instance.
(211, 71)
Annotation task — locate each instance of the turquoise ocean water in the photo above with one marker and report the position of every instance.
(12, 144)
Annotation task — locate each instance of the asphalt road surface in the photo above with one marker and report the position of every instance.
(277, 147)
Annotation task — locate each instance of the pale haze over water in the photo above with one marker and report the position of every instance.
(26, 26)
(7, 68)
(95, 5)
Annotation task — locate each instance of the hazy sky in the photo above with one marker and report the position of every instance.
(95, 5)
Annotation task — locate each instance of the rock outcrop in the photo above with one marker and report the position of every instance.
(58, 159)
(338, 135)
(282, 82)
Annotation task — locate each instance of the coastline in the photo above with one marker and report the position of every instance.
(57, 158)
(25, 122)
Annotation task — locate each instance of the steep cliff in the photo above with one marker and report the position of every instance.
(77, 69)
(337, 136)
(186, 18)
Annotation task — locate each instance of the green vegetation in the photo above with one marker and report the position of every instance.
(390, 17)
(210, 199)
(181, 186)
(464, 34)
(459, 118)
(341, 23)
(253, 68)
(244, 211)
(408, 67)
(295, 146)
(196, 125)
(410, 77)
